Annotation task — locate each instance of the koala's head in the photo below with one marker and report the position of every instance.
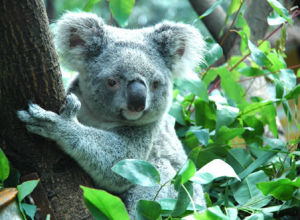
(126, 75)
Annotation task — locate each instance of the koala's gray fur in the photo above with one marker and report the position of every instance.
(124, 88)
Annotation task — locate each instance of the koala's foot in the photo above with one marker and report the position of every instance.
(49, 124)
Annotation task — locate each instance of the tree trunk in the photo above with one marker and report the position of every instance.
(30, 72)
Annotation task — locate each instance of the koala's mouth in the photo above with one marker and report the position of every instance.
(131, 115)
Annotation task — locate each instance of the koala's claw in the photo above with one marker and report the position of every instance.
(38, 120)
(72, 106)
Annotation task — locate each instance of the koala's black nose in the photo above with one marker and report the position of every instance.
(136, 92)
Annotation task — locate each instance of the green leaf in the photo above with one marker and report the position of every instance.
(230, 86)
(202, 135)
(244, 32)
(288, 78)
(226, 115)
(168, 205)
(258, 56)
(26, 188)
(225, 134)
(211, 9)
(255, 108)
(212, 213)
(262, 159)
(212, 170)
(239, 159)
(269, 117)
(177, 113)
(213, 52)
(277, 62)
(202, 156)
(121, 10)
(89, 5)
(245, 190)
(137, 171)
(255, 216)
(147, 210)
(232, 213)
(110, 207)
(233, 7)
(210, 76)
(183, 199)
(281, 189)
(298, 73)
(251, 71)
(186, 172)
(29, 210)
(280, 9)
(205, 113)
(293, 94)
(4, 166)
(275, 19)
(194, 86)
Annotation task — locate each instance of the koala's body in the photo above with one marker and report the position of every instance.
(124, 88)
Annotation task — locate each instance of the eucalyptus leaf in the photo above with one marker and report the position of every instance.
(258, 56)
(186, 172)
(90, 4)
(294, 93)
(29, 210)
(147, 210)
(280, 9)
(183, 199)
(239, 159)
(213, 52)
(226, 115)
(137, 171)
(245, 190)
(211, 9)
(4, 166)
(26, 188)
(121, 10)
(281, 189)
(214, 169)
(211, 213)
(110, 207)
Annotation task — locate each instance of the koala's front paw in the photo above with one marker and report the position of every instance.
(72, 107)
(49, 124)
(39, 121)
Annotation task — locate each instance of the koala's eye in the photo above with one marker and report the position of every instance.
(112, 83)
(155, 84)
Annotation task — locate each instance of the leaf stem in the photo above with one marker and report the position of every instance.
(190, 197)
(232, 23)
(160, 188)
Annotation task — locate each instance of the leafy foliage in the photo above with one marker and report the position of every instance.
(9, 177)
(245, 174)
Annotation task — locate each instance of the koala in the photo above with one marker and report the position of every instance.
(117, 106)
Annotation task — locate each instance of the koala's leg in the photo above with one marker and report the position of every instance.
(94, 149)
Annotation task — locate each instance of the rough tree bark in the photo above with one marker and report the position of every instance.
(30, 71)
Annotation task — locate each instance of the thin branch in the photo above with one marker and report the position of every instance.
(217, 84)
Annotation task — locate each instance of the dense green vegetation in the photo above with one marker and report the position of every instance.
(245, 173)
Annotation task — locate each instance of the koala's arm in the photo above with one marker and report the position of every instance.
(94, 149)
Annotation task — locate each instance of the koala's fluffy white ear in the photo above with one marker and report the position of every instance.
(77, 36)
(181, 45)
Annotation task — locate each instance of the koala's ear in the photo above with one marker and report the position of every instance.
(78, 36)
(181, 45)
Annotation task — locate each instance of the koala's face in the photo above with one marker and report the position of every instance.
(127, 85)
(126, 75)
